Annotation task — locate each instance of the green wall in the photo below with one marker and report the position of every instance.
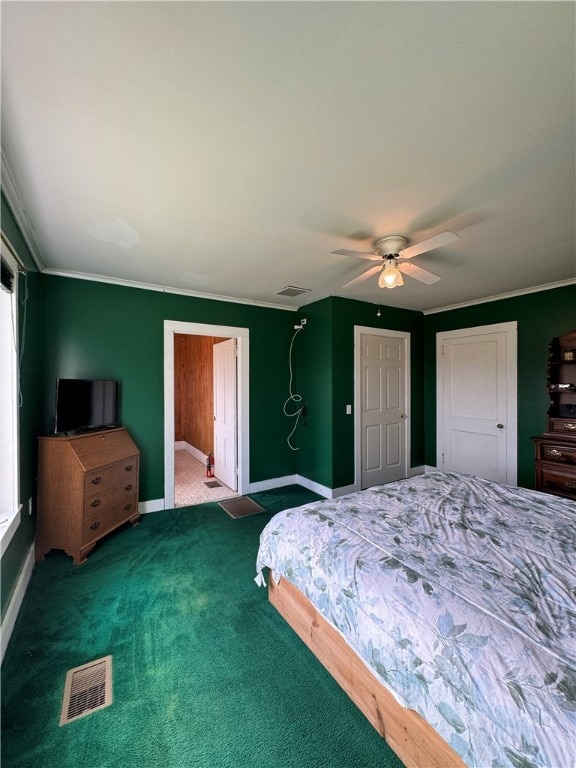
(98, 330)
(312, 356)
(326, 381)
(540, 317)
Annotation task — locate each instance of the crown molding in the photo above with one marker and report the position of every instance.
(269, 305)
(12, 196)
(501, 296)
(164, 289)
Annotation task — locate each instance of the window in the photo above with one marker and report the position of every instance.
(9, 464)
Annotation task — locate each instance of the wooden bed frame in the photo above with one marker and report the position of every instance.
(415, 742)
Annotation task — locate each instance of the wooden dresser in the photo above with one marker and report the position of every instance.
(556, 448)
(87, 487)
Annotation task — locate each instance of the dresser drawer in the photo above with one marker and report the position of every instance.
(558, 453)
(110, 475)
(565, 426)
(557, 480)
(109, 518)
(109, 495)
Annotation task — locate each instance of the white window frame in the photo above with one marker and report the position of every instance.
(10, 507)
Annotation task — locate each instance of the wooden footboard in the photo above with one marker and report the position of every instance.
(415, 742)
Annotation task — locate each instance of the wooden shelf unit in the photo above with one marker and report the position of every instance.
(555, 465)
(87, 487)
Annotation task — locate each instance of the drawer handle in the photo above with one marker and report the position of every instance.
(96, 503)
(569, 425)
(128, 487)
(95, 525)
(96, 480)
(553, 452)
(129, 467)
(572, 486)
(127, 507)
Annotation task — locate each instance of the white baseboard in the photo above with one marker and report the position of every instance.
(154, 505)
(334, 493)
(182, 445)
(157, 505)
(322, 490)
(343, 490)
(421, 470)
(311, 485)
(276, 482)
(13, 608)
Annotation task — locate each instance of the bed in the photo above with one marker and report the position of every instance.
(445, 606)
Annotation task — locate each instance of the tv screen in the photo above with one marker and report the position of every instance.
(85, 404)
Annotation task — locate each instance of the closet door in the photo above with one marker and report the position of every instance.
(476, 408)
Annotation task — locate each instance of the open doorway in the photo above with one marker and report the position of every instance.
(193, 388)
(200, 394)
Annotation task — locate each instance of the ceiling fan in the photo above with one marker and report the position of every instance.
(387, 252)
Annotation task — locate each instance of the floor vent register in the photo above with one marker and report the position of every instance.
(242, 506)
(87, 689)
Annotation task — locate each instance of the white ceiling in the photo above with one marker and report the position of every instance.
(226, 148)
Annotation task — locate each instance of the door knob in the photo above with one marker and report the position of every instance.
(500, 426)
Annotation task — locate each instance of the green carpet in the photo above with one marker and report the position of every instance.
(206, 674)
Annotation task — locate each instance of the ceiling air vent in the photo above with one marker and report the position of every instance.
(87, 689)
(291, 290)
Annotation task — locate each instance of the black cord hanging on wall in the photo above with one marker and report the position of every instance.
(292, 396)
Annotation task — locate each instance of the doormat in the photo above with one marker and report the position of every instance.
(243, 506)
(213, 484)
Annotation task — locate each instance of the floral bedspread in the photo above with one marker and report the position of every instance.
(460, 595)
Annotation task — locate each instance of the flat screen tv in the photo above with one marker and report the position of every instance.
(85, 404)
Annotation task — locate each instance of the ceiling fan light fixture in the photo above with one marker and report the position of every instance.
(390, 277)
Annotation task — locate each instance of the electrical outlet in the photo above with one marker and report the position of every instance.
(348, 410)
(30, 506)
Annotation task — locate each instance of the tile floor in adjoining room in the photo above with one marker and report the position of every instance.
(190, 482)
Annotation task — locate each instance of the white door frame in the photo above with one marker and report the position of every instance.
(358, 331)
(511, 385)
(172, 327)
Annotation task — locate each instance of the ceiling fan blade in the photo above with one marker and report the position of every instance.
(363, 276)
(360, 254)
(428, 245)
(418, 273)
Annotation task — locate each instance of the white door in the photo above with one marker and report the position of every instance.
(476, 402)
(225, 430)
(382, 408)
